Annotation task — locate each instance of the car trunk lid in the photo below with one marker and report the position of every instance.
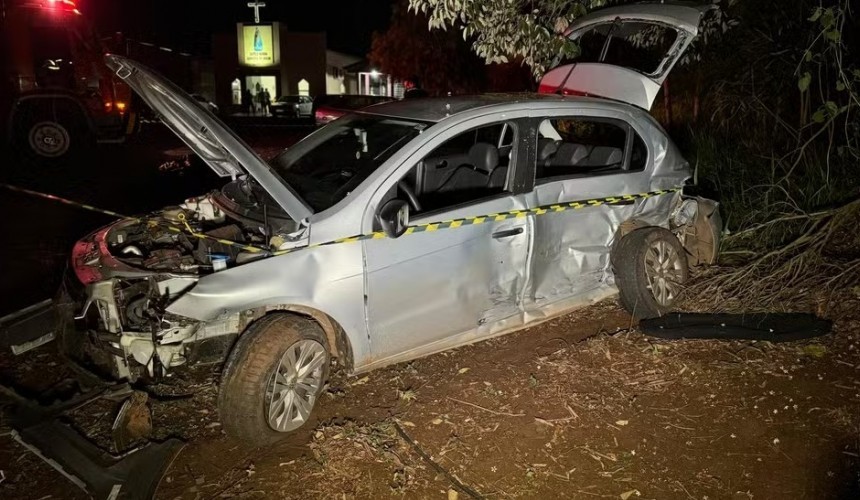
(627, 51)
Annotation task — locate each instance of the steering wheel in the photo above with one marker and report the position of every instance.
(410, 195)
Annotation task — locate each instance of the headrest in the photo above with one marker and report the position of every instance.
(484, 157)
(546, 148)
(570, 154)
(605, 156)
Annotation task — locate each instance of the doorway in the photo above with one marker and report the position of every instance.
(256, 85)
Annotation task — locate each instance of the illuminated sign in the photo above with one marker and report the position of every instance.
(257, 47)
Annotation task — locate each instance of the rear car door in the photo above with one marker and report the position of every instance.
(461, 271)
(581, 156)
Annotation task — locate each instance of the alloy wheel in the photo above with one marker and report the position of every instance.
(664, 271)
(295, 383)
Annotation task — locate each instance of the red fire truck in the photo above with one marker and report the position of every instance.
(57, 98)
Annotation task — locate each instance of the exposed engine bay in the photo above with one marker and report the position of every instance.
(134, 268)
(185, 238)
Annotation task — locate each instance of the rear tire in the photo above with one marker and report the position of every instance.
(650, 271)
(273, 378)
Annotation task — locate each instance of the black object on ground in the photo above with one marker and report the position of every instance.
(133, 475)
(773, 327)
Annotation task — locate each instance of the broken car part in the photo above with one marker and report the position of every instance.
(772, 327)
(133, 475)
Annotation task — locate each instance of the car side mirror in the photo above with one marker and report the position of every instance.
(393, 217)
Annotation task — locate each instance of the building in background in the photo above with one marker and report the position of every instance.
(260, 56)
(339, 78)
(266, 56)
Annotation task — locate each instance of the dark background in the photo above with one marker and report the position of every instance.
(187, 25)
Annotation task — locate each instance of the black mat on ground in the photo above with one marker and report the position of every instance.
(773, 327)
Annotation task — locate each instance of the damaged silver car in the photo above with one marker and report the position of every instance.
(389, 234)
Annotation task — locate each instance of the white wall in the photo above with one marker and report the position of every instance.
(334, 85)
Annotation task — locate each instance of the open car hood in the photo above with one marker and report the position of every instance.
(205, 134)
(601, 76)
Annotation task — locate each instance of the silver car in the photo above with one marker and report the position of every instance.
(393, 233)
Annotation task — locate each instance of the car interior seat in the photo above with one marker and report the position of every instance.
(483, 159)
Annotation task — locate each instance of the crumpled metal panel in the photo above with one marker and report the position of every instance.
(326, 278)
(570, 253)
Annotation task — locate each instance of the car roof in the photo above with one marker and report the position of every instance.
(435, 109)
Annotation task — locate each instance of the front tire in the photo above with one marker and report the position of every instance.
(273, 378)
(650, 271)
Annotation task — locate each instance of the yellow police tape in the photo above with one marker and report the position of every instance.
(497, 217)
(418, 228)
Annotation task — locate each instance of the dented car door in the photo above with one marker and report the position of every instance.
(439, 287)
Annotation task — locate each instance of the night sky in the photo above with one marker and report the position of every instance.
(187, 25)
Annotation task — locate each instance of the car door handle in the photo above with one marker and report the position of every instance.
(507, 232)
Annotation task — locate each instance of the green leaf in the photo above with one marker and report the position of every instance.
(818, 116)
(833, 35)
(815, 14)
(827, 18)
(840, 85)
(805, 80)
(831, 108)
(807, 56)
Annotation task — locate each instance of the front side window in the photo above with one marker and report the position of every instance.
(466, 168)
(352, 149)
(581, 147)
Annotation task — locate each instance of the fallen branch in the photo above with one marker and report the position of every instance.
(816, 262)
(815, 215)
(432, 463)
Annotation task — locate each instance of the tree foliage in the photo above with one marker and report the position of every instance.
(440, 60)
(531, 31)
(504, 30)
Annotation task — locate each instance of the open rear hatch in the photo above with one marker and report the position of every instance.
(627, 51)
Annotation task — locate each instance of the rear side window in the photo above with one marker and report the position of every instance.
(583, 147)
(634, 45)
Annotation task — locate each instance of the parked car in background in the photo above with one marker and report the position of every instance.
(329, 107)
(292, 106)
(211, 106)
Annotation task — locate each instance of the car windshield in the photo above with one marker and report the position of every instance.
(288, 98)
(324, 168)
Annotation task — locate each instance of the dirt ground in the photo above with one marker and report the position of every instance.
(580, 407)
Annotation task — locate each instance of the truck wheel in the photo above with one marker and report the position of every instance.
(49, 139)
(50, 135)
(650, 271)
(273, 378)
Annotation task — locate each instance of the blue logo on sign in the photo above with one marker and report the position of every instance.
(258, 41)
